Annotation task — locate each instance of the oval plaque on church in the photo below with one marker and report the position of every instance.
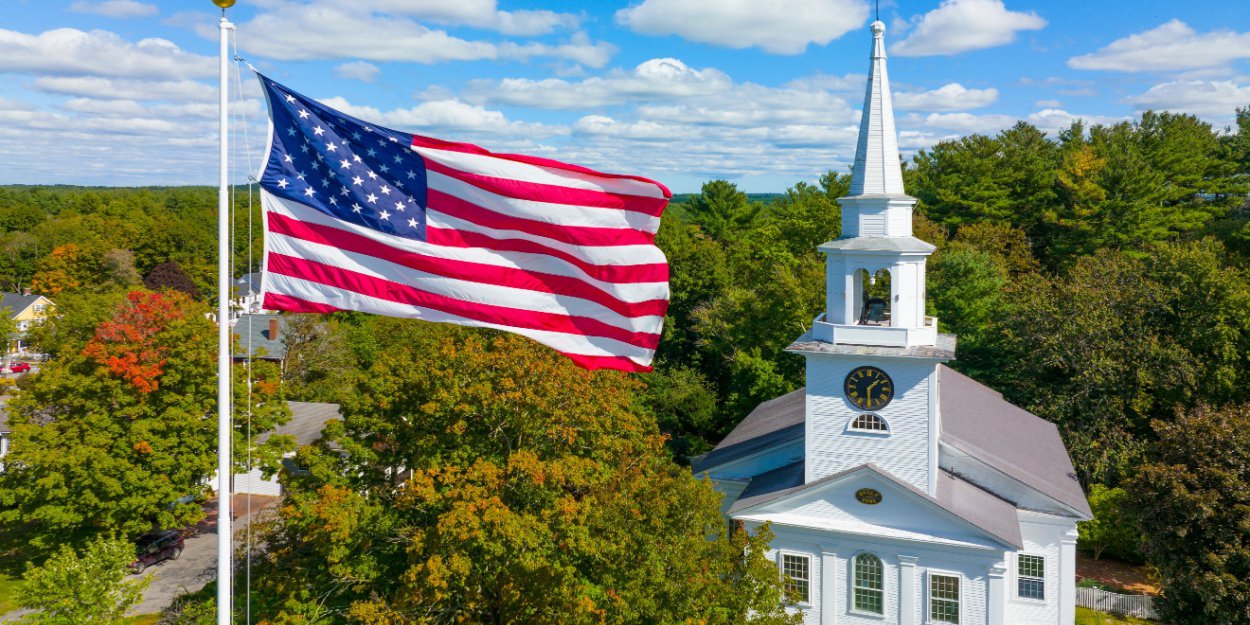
(870, 496)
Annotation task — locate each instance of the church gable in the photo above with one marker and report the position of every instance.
(867, 501)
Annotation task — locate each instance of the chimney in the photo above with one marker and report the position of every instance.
(273, 328)
(26, 291)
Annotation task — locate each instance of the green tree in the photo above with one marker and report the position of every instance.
(722, 211)
(1193, 499)
(531, 491)
(1114, 528)
(87, 588)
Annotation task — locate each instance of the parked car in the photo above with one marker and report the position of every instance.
(19, 367)
(156, 547)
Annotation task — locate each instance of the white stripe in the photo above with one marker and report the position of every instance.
(466, 291)
(595, 255)
(349, 300)
(538, 263)
(504, 168)
(545, 212)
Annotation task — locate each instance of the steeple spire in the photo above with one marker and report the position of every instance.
(877, 170)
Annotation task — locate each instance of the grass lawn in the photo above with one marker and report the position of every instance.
(1086, 616)
(142, 619)
(8, 586)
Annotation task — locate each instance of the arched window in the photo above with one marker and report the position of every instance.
(869, 584)
(869, 422)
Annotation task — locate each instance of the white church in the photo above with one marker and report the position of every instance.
(900, 491)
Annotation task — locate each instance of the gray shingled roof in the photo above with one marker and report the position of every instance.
(249, 281)
(977, 420)
(258, 331)
(775, 421)
(878, 244)
(307, 421)
(17, 302)
(954, 495)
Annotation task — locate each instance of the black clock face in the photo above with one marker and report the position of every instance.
(869, 388)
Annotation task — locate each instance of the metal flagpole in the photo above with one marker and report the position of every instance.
(224, 507)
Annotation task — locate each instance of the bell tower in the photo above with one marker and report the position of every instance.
(873, 355)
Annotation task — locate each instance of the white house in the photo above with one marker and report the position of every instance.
(307, 421)
(899, 490)
(5, 430)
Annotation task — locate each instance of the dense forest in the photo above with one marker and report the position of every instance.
(1099, 278)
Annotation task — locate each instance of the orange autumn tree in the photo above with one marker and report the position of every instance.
(114, 435)
(481, 478)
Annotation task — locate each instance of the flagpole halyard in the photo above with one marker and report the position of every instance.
(224, 469)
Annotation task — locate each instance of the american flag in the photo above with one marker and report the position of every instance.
(360, 217)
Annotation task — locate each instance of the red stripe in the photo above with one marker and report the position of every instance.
(555, 194)
(277, 301)
(488, 313)
(469, 148)
(620, 274)
(464, 270)
(577, 235)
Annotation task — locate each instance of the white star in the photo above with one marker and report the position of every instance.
(399, 159)
(309, 192)
(386, 190)
(304, 148)
(303, 114)
(412, 223)
(394, 140)
(291, 131)
(399, 206)
(412, 174)
(282, 184)
(344, 191)
(373, 199)
(344, 164)
(301, 175)
(334, 201)
(399, 183)
(368, 129)
(356, 208)
(356, 158)
(372, 152)
(384, 169)
(385, 215)
(355, 136)
(331, 147)
(358, 181)
(287, 158)
(372, 176)
(290, 98)
(319, 131)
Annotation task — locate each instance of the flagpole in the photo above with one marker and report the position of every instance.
(224, 469)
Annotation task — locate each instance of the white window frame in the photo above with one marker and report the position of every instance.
(851, 579)
(929, 598)
(850, 427)
(1018, 577)
(781, 567)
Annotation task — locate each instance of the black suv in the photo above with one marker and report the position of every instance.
(156, 547)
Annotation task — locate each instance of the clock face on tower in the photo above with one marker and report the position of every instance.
(868, 388)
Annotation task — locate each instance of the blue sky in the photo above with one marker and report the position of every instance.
(766, 94)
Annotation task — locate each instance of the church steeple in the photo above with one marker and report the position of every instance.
(877, 170)
(877, 243)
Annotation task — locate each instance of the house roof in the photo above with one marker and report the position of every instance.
(17, 302)
(775, 421)
(977, 420)
(248, 281)
(954, 495)
(308, 419)
(253, 331)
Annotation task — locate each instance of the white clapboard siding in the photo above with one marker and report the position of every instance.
(254, 483)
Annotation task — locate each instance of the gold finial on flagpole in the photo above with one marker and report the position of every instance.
(224, 4)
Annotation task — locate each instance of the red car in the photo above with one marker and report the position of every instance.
(19, 367)
(156, 547)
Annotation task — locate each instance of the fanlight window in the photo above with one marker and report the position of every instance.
(869, 577)
(869, 422)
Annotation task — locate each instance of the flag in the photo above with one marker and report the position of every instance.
(361, 217)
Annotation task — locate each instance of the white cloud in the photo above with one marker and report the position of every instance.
(778, 26)
(1170, 47)
(92, 86)
(99, 53)
(951, 97)
(446, 116)
(827, 82)
(653, 80)
(116, 8)
(317, 31)
(962, 25)
(358, 70)
(1211, 99)
(1048, 104)
(642, 130)
(483, 14)
(969, 123)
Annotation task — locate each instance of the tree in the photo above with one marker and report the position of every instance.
(1193, 499)
(66, 267)
(112, 435)
(722, 211)
(1114, 528)
(529, 491)
(169, 276)
(82, 589)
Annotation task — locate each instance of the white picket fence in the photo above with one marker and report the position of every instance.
(1141, 606)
